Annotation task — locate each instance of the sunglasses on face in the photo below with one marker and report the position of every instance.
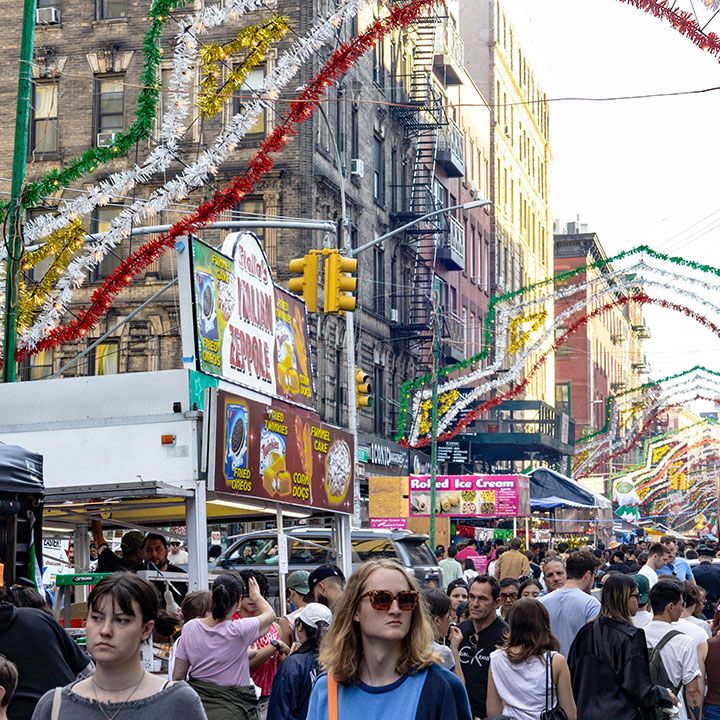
(382, 600)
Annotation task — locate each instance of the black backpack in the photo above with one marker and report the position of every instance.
(658, 673)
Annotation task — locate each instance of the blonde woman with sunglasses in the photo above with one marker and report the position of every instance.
(378, 655)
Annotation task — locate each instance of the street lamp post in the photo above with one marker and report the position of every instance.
(436, 344)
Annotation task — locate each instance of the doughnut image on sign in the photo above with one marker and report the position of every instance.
(236, 433)
(206, 306)
(338, 471)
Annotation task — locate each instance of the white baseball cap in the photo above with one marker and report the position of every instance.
(313, 613)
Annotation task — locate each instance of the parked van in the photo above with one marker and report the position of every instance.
(310, 547)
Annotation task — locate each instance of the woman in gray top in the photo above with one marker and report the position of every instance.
(122, 610)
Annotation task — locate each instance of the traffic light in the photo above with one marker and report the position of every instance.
(339, 285)
(307, 282)
(362, 389)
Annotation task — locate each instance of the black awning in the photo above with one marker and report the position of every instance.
(547, 483)
(21, 471)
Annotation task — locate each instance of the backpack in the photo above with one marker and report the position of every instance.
(658, 673)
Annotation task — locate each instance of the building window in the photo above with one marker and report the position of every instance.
(252, 208)
(45, 118)
(104, 359)
(394, 180)
(354, 133)
(379, 64)
(378, 389)
(101, 223)
(250, 89)
(562, 397)
(38, 366)
(110, 9)
(379, 170)
(110, 105)
(379, 280)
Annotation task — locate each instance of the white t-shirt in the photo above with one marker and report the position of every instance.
(679, 657)
(703, 624)
(697, 634)
(649, 573)
(521, 686)
(642, 618)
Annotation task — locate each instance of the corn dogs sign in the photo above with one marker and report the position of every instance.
(248, 330)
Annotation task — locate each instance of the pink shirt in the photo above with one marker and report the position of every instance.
(219, 654)
(263, 675)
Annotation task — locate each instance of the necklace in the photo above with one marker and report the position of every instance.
(112, 716)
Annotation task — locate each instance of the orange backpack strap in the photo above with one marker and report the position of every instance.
(332, 688)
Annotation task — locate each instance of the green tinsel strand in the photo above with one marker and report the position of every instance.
(145, 114)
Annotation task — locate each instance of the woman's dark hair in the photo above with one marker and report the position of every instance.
(461, 611)
(227, 591)
(438, 603)
(8, 680)
(458, 582)
(124, 588)
(468, 564)
(615, 597)
(528, 583)
(314, 636)
(21, 596)
(529, 631)
(259, 577)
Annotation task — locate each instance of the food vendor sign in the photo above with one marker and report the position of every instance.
(279, 452)
(471, 495)
(247, 329)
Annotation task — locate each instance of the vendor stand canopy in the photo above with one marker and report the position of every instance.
(550, 489)
(21, 497)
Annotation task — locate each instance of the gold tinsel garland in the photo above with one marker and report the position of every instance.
(62, 246)
(256, 38)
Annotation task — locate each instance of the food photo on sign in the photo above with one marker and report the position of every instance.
(280, 452)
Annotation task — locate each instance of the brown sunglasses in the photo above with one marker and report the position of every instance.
(382, 600)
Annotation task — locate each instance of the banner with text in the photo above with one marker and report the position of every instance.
(471, 495)
(248, 330)
(282, 453)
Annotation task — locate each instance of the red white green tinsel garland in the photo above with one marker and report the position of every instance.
(301, 109)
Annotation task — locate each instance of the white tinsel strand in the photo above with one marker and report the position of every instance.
(192, 176)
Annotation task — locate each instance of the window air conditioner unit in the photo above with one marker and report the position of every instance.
(47, 16)
(394, 315)
(357, 168)
(105, 139)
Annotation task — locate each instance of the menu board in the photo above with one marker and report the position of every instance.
(471, 495)
(248, 330)
(279, 452)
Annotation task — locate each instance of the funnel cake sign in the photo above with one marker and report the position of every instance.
(248, 330)
(282, 453)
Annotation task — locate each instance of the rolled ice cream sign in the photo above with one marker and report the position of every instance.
(282, 453)
(248, 330)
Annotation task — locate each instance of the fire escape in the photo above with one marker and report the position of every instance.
(419, 105)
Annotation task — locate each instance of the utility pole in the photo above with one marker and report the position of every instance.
(436, 337)
(14, 239)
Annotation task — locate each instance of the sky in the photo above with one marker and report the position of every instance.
(637, 171)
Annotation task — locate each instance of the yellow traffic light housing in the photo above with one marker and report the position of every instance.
(339, 285)
(307, 282)
(362, 389)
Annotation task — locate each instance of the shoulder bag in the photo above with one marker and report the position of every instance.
(551, 711)
(332, 690)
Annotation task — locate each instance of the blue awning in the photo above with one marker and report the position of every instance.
(551, 503)
(552, 486)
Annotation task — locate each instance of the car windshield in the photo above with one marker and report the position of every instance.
(254, 551)
(418, 553)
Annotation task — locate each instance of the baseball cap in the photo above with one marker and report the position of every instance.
(705, 550)
(323, 573)
(132, 542)
(643, 586)
(298, 580)
(314, 613)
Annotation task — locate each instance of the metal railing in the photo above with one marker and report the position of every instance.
(452, 140)
(448, 42)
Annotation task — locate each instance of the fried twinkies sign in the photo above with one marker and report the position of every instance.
(248, 330)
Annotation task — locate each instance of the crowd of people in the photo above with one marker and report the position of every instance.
(627, 632)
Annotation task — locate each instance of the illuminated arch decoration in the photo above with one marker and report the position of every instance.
(301, 109)
(676, 484)
(687, 22)
(640, 275)
(630, 413)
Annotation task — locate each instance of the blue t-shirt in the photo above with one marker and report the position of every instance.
(432, 694)
(680, 568)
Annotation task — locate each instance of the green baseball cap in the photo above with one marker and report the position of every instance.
(298, 580)
(643, 586)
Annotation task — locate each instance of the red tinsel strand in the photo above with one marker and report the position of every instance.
(641, 298)
(301, 110)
